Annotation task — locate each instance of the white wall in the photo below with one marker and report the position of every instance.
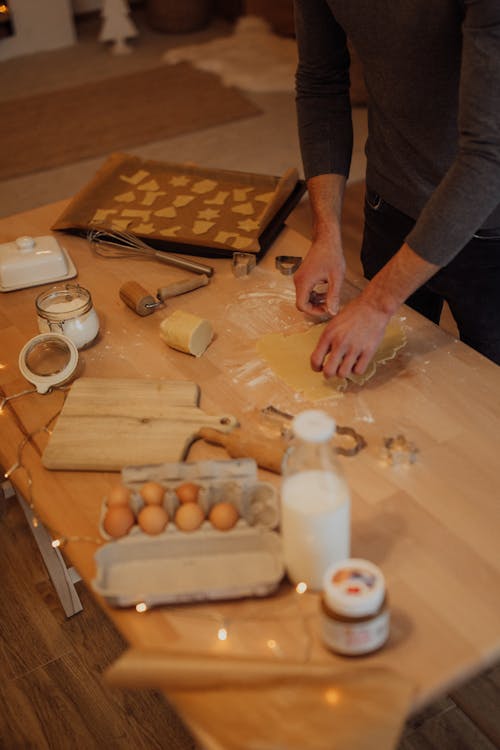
(38, 26)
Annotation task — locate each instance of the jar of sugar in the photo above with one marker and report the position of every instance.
(68, 309)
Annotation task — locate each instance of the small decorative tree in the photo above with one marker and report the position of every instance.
(117, 26)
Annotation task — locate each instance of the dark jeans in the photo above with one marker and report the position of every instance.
(470, 283)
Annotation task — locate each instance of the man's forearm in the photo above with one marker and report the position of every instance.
(397, 280)
(326, 193)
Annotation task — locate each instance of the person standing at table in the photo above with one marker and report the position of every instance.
(432, 207)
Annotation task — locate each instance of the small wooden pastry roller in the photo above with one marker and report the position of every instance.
(141, 302)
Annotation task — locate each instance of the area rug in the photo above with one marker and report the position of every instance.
(65, 126)
(252, 57)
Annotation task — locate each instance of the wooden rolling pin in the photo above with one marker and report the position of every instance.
(267, 453)
(146, 669)
(141, 302)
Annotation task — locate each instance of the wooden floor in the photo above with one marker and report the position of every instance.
(52, 695)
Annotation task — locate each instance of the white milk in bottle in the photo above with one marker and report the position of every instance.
(315, 502)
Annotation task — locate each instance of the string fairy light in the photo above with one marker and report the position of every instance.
(58, 539)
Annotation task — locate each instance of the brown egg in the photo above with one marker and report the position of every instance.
(223, 516)
(118, 495)
(152, 493)
(188, 492)
(118, 521)
(189, 517)
(152, 519)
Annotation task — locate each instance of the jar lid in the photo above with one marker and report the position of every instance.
(47, 360)
(313, 425)
(354, 587)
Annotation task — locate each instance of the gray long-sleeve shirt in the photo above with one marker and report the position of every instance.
(432, 70)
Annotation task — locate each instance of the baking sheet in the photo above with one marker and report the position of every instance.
(185, 208)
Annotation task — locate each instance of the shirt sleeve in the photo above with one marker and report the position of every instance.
(322, 90)
(470, 190)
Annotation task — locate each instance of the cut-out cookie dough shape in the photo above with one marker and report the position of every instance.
(171, 231)
(179, 180)
(144, 228)
(223, 237)
(201, 227)
(182, 200)
(203, 186)
(248, 225)
(102, 214)
(151, 196)
(128, 197)
(135, 178)
(135, 213)
(241, 243)
(208, 213)
(265, 197)
(241, 194)
(218, 199)
(289, 357)
(244, 208)
(151, 185)
(168, 212)
(120, 223)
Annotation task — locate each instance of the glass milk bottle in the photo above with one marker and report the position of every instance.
(315, 501)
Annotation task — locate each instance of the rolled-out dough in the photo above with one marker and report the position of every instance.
(186, 332)
(289, 357)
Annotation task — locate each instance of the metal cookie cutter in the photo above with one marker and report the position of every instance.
(288, 264)
(242, 264)
(285, 418)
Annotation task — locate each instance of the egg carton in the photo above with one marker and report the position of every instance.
(178, 566)
(235, 481)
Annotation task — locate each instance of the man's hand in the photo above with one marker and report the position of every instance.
(350, 340)
(324, 264)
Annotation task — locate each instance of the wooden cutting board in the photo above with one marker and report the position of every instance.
(108, 423)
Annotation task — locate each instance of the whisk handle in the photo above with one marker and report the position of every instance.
(185, 263)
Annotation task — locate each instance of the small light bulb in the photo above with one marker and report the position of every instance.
(56, 543)
(141, 607)
(301, 587)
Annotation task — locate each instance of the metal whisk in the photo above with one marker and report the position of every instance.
(115, 243)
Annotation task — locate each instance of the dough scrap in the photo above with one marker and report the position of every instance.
(241, 243)
(223, 236)
(240, 194)
(201, 227)
(289, 357)
(171, 231)
(248, 225)
(208, 213)
(144, 228)
(134, 213)
(120, 223)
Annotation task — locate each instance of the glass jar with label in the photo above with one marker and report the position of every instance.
(354, 609)
(68, 309)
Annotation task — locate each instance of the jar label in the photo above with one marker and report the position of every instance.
(356, 637)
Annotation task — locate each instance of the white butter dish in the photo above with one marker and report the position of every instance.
(31, 261)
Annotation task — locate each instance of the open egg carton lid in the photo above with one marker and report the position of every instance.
(207, 564)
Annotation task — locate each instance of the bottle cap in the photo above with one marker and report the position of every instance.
(354, 587)
(313, 425)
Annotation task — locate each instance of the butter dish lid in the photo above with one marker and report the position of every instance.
(31, 261)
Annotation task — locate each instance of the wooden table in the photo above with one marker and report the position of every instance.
(432, 526)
